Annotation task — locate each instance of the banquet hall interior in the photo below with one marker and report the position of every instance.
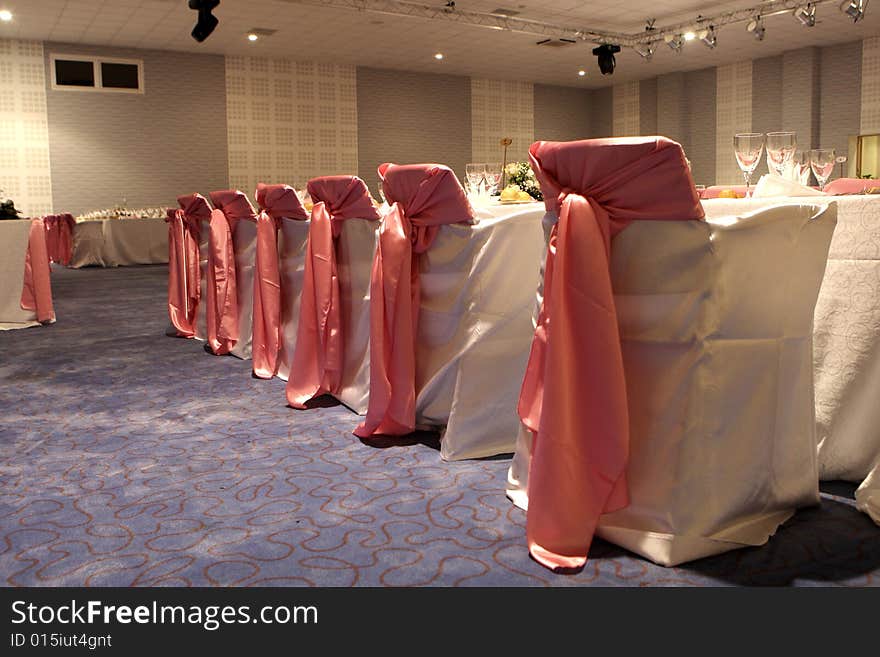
(410, 293)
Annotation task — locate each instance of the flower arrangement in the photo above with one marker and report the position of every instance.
(521, 175)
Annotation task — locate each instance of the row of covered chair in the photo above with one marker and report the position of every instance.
(659, 394)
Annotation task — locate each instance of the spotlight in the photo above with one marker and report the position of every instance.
(605, 54)
(253, 37)
(806, 15)
(689, 36)
(756, 27)
(646, 50)
(855, 9)
(438, 56)
(5, 15)
(674, 41)
(206, 21)
(582, 73)
(708, 37)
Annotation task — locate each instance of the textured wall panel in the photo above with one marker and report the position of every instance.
(25, 175)
(501, 108)
(625, 101)
(562, 113)
(602, 112)
(289, 121)
(841, 96)
(870, 73)
(733, 113)
(648, 107)
(800, 95)
(412, 117)
(700, 121)
(146, 149)
(767, 95)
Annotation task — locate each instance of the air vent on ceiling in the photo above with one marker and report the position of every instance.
(261, 31)
(501, 11)
(556, 43)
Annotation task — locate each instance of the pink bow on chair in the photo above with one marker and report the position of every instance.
(36, 293)
(423, 197)
(573, 396)
(184, 274)
(277, 202)
(230, 206)
(318, 358)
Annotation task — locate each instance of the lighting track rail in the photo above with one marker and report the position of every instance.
(637, 40)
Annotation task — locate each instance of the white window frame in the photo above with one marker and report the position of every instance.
(96, 67)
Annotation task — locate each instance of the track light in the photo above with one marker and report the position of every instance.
(206, 21)
(674, 41)
(646, 50)
(756, 27)
(605, 54)
(855, 9)
(708, 37)
(806, 15)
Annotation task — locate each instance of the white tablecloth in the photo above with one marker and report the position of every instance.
(847, 344)
(14, 235)
(120, 242)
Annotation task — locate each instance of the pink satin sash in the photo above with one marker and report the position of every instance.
(423, 197)
(36, 292)
(276, 202)
(222, 311)
(573, 396)
(851, 186)
(318, 357)
(184, 272)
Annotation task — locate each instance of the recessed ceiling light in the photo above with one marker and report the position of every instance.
(689, 36)
(438, 56)
(5, 15)
(252, 37)
(582, 73)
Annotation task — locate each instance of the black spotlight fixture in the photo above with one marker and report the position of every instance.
(206, 21)
(605, 54)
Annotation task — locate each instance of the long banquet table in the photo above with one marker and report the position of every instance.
(120, 242)
(846, 342)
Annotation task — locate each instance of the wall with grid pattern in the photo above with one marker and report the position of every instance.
(289, 121)
(626, 120)
(25, 175)
(501, 108)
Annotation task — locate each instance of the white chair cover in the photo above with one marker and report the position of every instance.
(716, 329)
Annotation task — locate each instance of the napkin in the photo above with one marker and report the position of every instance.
(773, 185)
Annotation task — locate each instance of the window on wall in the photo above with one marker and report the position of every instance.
(82, 73)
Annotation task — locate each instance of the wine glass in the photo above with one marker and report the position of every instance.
(747, 147)
(474, 173)
(780, 149)
(822, 162)
(801, 167)
(493, 176)
(840, 159)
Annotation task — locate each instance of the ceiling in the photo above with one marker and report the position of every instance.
(369, 39)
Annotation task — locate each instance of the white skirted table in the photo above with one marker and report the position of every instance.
(846, 343)
(14, 236)
(120, 242)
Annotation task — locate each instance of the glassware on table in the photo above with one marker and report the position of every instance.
(474, 173)
(780, 150)
(800, 167)
(748, 147)
(822, 161)
(841, 160)
(493, 177)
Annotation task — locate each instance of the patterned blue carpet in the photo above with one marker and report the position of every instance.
(131, 458)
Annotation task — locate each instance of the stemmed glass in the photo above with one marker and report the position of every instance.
(822, 162)
(493, 176)
(474, 173)
(780, 150)
(748, 147)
